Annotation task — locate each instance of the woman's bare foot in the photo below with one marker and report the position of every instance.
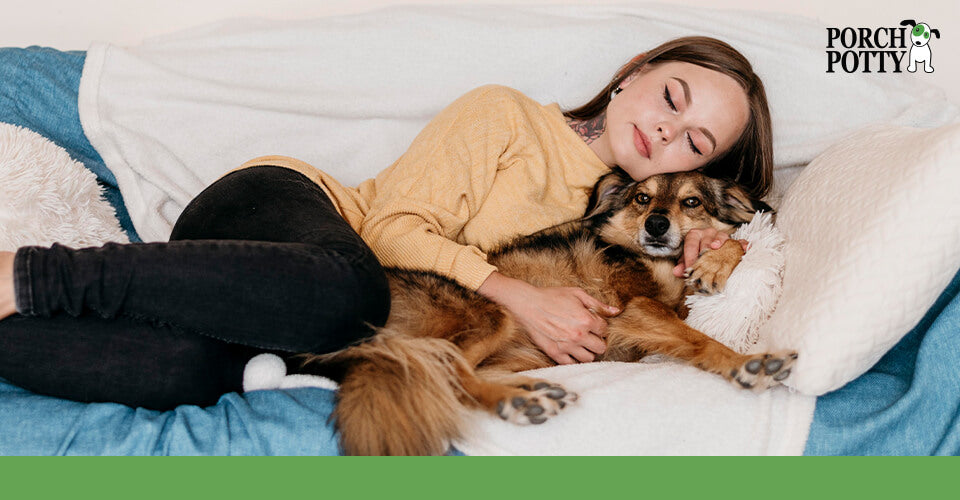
(8, 305)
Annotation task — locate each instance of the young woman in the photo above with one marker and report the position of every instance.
(277, 256)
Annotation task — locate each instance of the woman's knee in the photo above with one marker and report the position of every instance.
(354, 297)
(377, 288)
(367, 276)
(263, 203)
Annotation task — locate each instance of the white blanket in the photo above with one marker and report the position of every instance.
(659, 407)
(348, 94)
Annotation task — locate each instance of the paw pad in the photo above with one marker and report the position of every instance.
(763, 371)
(537, 405)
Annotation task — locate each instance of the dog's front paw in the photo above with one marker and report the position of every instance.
(762, 371)
(534, 405)
(709, 273)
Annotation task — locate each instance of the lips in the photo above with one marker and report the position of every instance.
(641, 143)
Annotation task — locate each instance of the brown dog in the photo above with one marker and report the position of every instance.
(445, 348)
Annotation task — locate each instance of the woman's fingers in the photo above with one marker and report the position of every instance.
(552, 348)
(565, 359)
(580, 354)
(691, 247)
(593, 341)
(593, 304)
(698, 241)
(566, 323)
(719, 240)
(679, 269)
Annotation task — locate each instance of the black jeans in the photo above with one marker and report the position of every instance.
(260, 261)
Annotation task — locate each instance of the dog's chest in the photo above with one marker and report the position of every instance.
(609, 275)
(672, 290)
(646, 278)
(576, 265)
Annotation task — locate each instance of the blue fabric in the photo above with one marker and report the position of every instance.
(39, 87)
(288, 422)
(908, 403)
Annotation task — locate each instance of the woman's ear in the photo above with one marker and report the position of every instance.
(608, 193)
(636, 73)
(631, 77)
(738, 207)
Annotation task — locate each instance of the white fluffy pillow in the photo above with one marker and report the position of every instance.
(734, 316)
(47, 197)
(872, 230)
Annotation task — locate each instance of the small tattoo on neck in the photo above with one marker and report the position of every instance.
(589, 130)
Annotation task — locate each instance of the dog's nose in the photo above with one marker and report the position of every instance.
(657, 225)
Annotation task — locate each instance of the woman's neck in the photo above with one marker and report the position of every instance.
(592, 133)
(588, 130)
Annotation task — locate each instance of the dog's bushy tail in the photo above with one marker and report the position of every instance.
(399, 395)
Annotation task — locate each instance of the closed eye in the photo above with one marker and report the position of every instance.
(666, 97)
(692, 147)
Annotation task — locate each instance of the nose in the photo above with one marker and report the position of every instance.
(657, 225)
(666, 132)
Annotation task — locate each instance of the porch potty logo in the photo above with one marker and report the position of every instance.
(874, 52)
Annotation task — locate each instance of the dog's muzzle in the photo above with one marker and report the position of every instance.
(657, 225)
(656, 239)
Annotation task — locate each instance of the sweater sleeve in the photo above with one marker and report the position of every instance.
(424, 200)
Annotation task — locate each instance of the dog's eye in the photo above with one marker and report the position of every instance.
(691, 202)
(643, 199)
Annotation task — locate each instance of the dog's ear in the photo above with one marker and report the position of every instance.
(907, 22)
(738, 207)
(935, 32)
(608, 193)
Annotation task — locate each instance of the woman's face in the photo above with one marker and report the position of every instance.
(672, 117)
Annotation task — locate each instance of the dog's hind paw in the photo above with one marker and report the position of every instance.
(534, 405)
(762, 371)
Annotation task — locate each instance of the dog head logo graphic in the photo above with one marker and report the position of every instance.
(919, 45)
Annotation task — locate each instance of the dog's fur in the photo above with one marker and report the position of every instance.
(445, 348)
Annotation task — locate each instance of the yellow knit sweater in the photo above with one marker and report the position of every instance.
(491, 166)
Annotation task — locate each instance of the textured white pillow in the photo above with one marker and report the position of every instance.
(872, 230)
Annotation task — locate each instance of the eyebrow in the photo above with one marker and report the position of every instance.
(686, 96)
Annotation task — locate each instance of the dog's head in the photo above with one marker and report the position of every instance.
(652, 217)
(920, 34)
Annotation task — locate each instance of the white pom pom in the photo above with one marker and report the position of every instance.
(264, 371)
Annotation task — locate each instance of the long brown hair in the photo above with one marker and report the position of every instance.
(749, 162)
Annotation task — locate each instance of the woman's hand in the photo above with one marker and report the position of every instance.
(564, 322)
(697, 242)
